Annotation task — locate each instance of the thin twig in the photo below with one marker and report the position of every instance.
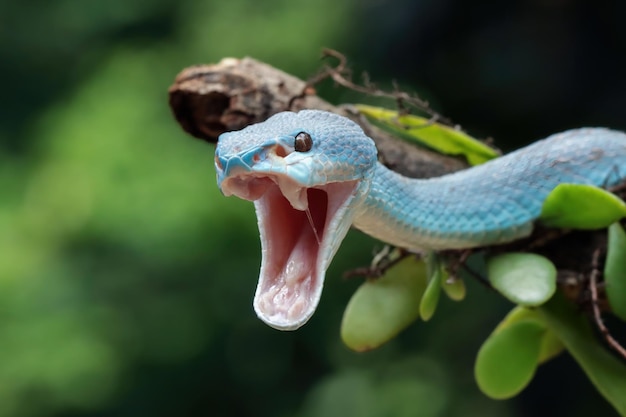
(546, 237)
(341, 74)
(455, 263)
(596, 308)
(479, 277)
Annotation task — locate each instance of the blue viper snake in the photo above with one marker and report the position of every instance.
(313, 174)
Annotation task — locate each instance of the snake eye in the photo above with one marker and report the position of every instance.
(303, 142)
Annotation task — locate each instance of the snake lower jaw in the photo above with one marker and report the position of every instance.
(297, 248)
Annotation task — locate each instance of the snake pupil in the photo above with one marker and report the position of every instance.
(303, 142)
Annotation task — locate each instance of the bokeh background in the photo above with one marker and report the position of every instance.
(126, 279)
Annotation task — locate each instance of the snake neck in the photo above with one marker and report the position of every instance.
(489, 204)
(439, 213)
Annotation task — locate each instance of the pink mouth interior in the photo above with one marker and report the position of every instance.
(296, 250)
(290, 272)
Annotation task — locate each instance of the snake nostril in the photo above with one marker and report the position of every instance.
(218, 163)
(280, 151)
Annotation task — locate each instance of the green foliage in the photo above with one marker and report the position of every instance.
(615, 270)
(526, 279)
(391, 391)
(551, 346)
(604, 370)
(526, 338)
(90, 244)
(428, 303)
(455, 289)
(579, 206)
(507, 360)
(435, 135)
(509, 357)
(382, 307)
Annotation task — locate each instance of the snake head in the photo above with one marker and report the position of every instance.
(307, 174)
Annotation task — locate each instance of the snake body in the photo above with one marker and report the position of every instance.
(307, 197)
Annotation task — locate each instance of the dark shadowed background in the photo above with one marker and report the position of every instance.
(126, 279)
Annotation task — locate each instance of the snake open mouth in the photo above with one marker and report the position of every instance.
(301, 229)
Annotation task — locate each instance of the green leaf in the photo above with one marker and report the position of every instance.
(517, 314)
(441, 138)
(381, 308)
(455, 290)
(605, 371)
(550, 345)
(507, 360)
(429, 301)
(524, 278)
(615, 270)
(580, 206)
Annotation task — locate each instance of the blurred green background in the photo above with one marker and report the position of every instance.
(126, 279)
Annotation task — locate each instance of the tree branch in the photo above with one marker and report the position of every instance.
(208, 100)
